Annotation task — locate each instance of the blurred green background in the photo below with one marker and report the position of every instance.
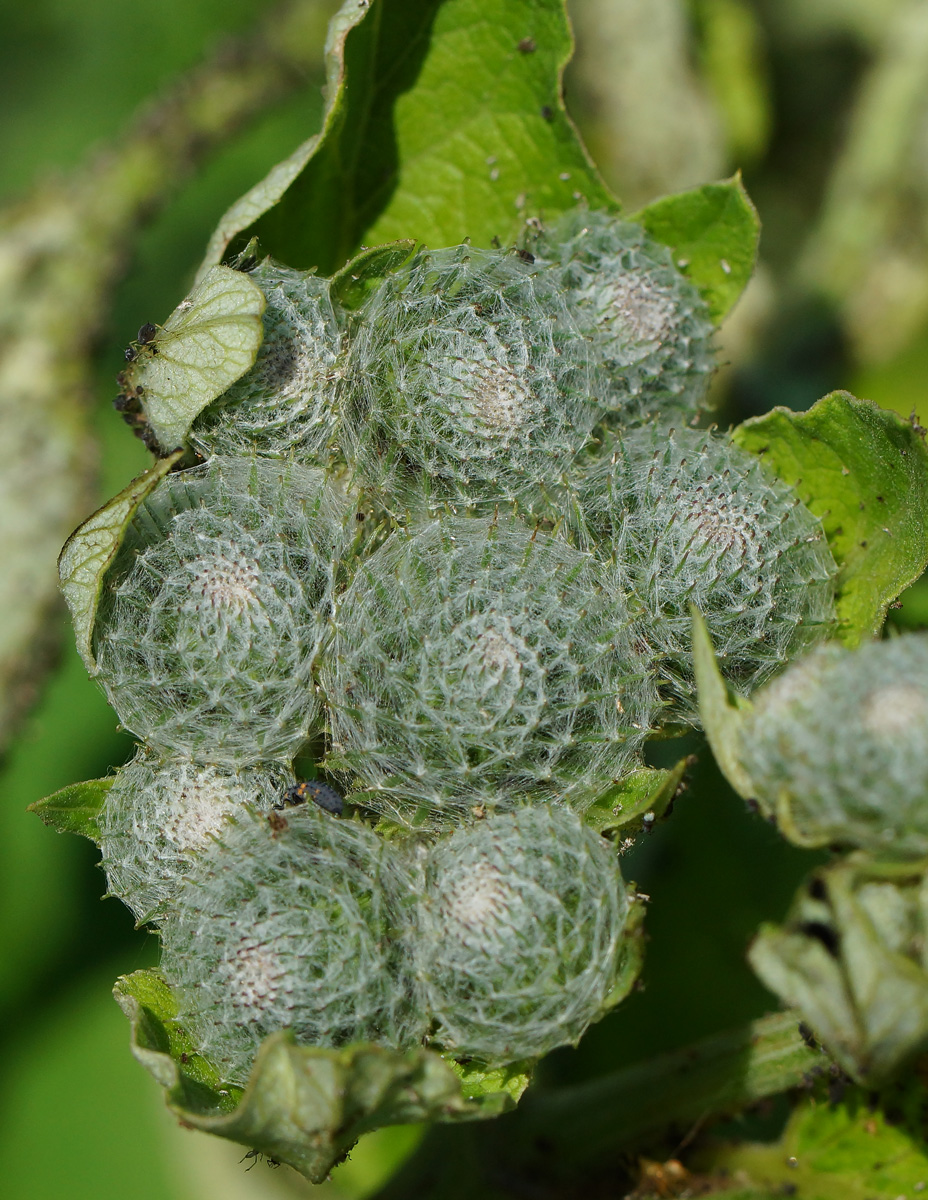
(824, 105)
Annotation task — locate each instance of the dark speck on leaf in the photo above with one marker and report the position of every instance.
(547, 112)
(821, 933)
(527, 46)
(526, 256)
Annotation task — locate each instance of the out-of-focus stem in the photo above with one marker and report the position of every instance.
(566, 1133)
(62, 248)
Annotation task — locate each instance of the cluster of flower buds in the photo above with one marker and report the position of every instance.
(447, 538)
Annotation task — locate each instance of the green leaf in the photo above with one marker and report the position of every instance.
(713, 232)
(722, 712)
(304, 1105)
(74, 808)
(445, 121)
(352, 284)
(841, 1149)
(494, 1091)
(211, 339)
(864, 472)
(625, 804)
(90, 550)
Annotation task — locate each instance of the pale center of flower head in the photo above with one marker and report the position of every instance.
(718, 520)
(225, 583)
(197, 812)
(635, 310)
(255, 977)
(477, 901)
(896, 711)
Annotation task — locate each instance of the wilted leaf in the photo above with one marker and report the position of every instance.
(211, 339)
(304, 1105)
(90, 550)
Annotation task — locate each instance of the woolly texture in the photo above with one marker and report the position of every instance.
(691, 518)
(212, 616)
(161, 816)
(294, 929)
(650, 328)
(520, 934)
(476, 663)
(838, 746)
(468, 383)
(286, 404)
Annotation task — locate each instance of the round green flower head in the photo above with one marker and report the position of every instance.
(520, 940)
(468, 383)
(837, 747)
(693, 519)
(160, 816)
(477, 663)
(286, 404)
(649, 325)
(213, 613)
(296, 925)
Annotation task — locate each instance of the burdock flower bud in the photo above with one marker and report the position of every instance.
(693, 519)
(520, 941)
(477, 663)
(468, 383)
(296, 924)
(649, 325)
(213, 613)
(286, 404)
(161, 816)
(837, 747)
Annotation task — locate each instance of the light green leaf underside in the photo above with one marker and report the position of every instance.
(713, 232)
(446, 122)
(864, 472)
(89, 551)
(74, 808)
(721, 711)
(211, 339)
(622, 806)
(303, 1105)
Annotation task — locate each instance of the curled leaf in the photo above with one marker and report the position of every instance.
(90, 550)
(211, 339)
(722, 712)
(637, 800)
(303, 1105)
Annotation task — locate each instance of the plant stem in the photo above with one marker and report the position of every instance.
(565, 1132)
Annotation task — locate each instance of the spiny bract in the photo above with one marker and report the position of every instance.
(520, 938)
(468, 383)
(650, 327)
(213, 614)
(477, 663)
(287, 403)
(295, 928)
(837, 747)
(692, 519)
(160, 816)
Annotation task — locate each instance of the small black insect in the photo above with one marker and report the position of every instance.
(547, 112)
(310, 789)
(807, 1036)
(130, 354)
(146, 333)
(527, 46)
(254, 1155)
(526, 255)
